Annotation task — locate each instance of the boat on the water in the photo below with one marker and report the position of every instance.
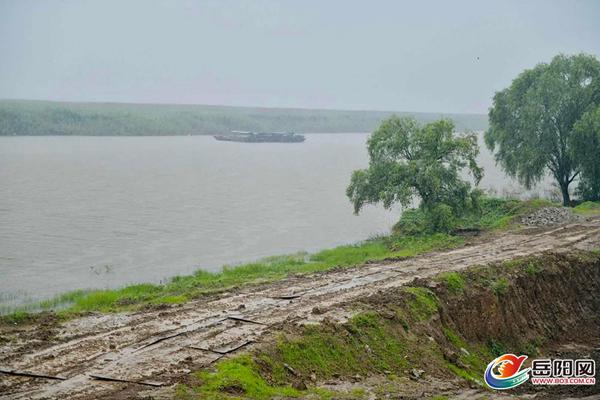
(261, 137)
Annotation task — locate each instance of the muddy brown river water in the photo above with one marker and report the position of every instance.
(97, 212)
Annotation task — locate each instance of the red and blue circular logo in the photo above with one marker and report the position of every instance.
(505, 372)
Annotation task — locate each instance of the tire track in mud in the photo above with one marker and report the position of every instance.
(104, 355)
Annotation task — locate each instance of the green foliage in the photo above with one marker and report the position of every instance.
(496, 347)
(423, 304)
(183, 288)
(492, 213)
(353, 254)
(369, 343)
(15, 318)
(532, 121)
(464, 373)
(454, 281)
(585, 146)
(408, 161)
(475, 359)
(454, 338)
(588, 208)
(500, 286)
(20, 117)
(530, 265)
(531, 347)
(532, 269)
(442, 218)
(412, 222)
(236, 377)
(408, 246)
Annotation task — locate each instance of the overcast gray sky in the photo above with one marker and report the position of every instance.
(440, 56)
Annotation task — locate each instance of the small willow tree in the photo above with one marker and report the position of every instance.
(409, 162)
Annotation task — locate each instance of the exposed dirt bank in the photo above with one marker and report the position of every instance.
(433, 337)
(159, 348)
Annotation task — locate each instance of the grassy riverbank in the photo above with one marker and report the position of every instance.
(494, 214)
(181, 289)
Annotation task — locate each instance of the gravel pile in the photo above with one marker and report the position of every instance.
(550, 216)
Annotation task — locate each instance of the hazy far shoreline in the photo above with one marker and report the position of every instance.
(43, 118)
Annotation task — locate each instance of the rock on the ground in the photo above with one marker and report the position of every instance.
(550, 216)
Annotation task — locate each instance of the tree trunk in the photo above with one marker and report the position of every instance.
(564, 188)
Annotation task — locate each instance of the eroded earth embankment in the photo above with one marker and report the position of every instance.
(435, 336)
(404, 329)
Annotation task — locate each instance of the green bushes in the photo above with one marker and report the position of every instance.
(491, 213)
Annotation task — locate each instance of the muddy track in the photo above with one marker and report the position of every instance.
(119, 355)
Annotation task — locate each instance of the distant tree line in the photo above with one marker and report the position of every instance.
(112, 119)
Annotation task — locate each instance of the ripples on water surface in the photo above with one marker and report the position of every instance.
(95, 212)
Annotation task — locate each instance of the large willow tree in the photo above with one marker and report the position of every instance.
(531, 122)
(585, 145)
(410, 162)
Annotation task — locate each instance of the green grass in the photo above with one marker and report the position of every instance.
(17, 317)
(465, 374)
(588, 208)
(531, 265)
(423, 303)
(531, 269)
(233, 378)
(494, 214)
(409, 246)
(454, 281)
(371, 343)
(500, 286)
(366, 344)
(181, 289)
(474, 359)
(496, 347)
(498, 213)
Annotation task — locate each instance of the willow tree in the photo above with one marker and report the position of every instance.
(531, 121)
(585, 144)
(409, 162)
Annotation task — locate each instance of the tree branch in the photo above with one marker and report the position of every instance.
(574, 176)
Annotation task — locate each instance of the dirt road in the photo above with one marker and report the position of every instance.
(92, 356)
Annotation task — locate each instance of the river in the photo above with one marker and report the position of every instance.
(102, 212)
